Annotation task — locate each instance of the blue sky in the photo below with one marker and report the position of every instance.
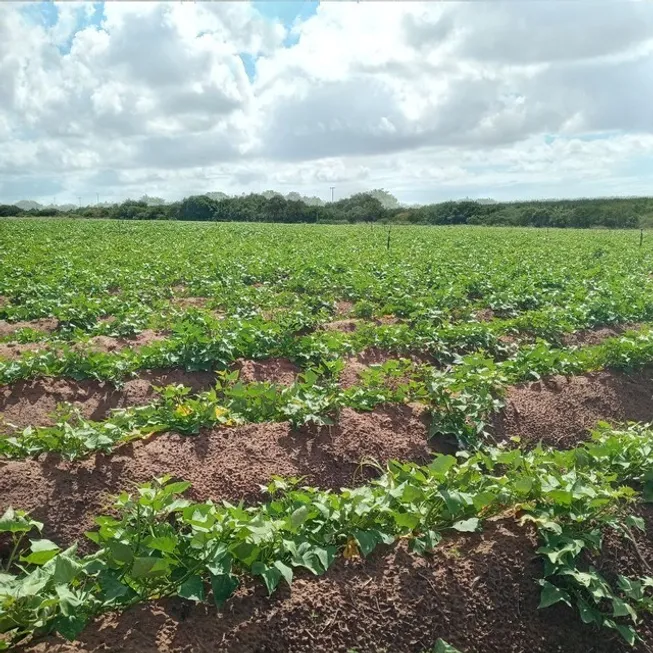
(432, 101)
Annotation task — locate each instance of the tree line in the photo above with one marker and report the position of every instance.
(375, 206)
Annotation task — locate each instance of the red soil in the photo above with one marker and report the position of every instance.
(560, 410)
(45, 324)
(272, 370)
(589, 337)
(110, 344)
(32, 402)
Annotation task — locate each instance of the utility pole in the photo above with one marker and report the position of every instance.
(98, 198)
(80, 201)
(332, 189)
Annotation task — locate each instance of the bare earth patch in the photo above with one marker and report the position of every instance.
(110, 344)
(355, 366)
(13, 350)
(560, 410)
(189, 302)
(33, 401)
(273, 370)
(346, 326)
(46, 324)
(589, 337)
(344, 308)
(223, 463)
(484, 315)
(476, 591)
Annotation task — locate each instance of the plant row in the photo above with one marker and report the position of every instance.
(462, 398)
(158, 544)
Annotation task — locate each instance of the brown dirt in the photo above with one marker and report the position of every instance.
(341, 325)
(189, 302)
(13, 350)
(110, 344)
(344, 308)
(225, 463)
(476, 592)
(589, 337)
(484, 315)
(45, 324)
(356, 365)
(559, 411)
(272, 370)
(31, 402)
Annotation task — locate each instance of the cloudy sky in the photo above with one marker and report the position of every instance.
(430, 101)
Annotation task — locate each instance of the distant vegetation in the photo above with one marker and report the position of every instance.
(375, 206)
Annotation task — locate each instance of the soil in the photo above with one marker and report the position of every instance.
(559, 411)
(273, 370)
(224, 463)
(14, 350)
(485, 315)
(32, 402)
(189, 302)
(476, 591)
(341, 325)
(589, 337)
(356, 365)
(344, 308)
(45, 324)
(110, 344)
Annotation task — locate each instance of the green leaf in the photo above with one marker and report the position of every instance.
(524, 485)
(299, 516)
(192, 589)
(285, 571)
(443, 647)
(367, 541)
(144, 567)
(223, 586)
(467, 525)
(271, 575)
(166, 543)
(70, 626)
(42, 551)
(246, 552)
(120, 551)
(442, 464)
(406, 520)
(628, 633)
(65, 568)
(551, 595)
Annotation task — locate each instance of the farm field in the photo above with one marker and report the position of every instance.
(264, 437)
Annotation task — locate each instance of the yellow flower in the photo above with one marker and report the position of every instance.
(220, 411)
(351, 549)
(183, 411)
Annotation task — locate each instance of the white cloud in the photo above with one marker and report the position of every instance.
(429, 100)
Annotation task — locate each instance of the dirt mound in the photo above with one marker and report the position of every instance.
(347, 326)
(13, 350)
(45, 324)
(356, 365)
(226, 463)
(559, 411)
(272, 370)
(476, 592)
(109, 344)
(484, 315)
(33, 401)
(589, 337)
(344, 308)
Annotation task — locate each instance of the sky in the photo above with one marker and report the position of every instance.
(430, 101)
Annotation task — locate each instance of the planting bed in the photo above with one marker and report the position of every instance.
(387, 448)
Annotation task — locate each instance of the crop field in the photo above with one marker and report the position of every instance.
(355, 439)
